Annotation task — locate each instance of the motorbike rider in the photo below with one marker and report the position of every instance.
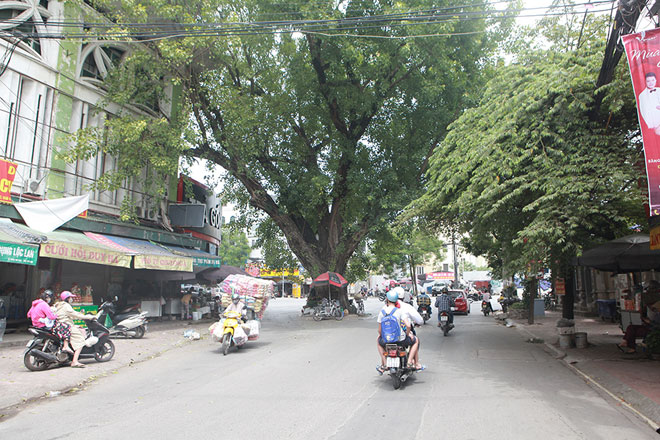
(41, 309)
(236, 305)
(415, 319)
(423, 302)
(444, 303)
(66, 315)
(406, 339)
(486, 298)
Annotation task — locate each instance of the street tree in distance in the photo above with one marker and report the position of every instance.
(327, 130)
(545, 164)
(234, 247)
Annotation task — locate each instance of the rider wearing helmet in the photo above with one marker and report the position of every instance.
(66, 315)
(414, 318)
(236, 305)
(406, 338)
(41, 309)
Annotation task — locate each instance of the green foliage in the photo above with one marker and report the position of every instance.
(274, 249)
(652, 341)
(329, 136)
(234, 247)
(544, 165)
(521, 305)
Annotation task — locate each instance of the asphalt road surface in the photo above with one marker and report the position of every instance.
(317, 380)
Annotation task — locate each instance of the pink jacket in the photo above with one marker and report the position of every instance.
(40, 309)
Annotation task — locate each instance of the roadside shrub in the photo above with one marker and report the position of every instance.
(518, 306)
(653, 341)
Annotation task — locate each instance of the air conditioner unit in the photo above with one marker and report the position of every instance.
(152, 214)
(33, 187)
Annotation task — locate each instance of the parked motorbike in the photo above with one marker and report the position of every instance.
(45, 349)
(396, 358)
(328, 309)
(132, 325)
(445, 326)
(485, 308)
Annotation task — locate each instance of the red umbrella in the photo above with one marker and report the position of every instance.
(328, 278)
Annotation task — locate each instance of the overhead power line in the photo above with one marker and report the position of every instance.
(328, 27)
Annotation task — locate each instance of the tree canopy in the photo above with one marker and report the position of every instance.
(545, 164)
(234, 247)
(328, 132)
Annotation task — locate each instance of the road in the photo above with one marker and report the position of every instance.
(304, 379)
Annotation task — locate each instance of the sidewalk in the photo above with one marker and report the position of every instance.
(633, 380)
(19, 385)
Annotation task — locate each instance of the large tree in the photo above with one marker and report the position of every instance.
(546, 164)
(326, 130)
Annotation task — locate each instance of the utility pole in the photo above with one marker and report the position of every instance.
(453, 245)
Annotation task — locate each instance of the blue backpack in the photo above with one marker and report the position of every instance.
(390, 328)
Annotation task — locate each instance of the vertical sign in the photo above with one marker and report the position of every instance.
(7, 174)
(560, 286)
(643, 53)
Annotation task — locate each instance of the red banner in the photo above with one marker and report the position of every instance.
(643, 52)
(7, 174)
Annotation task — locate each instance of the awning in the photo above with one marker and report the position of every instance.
(17, 246)
(200, 258)
(74, 246)
(146, 255)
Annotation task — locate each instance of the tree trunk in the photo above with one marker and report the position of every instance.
(533, 287)
(568, 302)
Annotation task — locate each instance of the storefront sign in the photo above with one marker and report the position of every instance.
(643, 52)
(85, 254)
(7, 174)
(440, 276)
(278, 273)
(87, 310)
(560, 286)
(18, 253)
(654, 236)
(206, 262)
(163, 262)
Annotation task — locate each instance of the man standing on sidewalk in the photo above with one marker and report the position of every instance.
(185, 304)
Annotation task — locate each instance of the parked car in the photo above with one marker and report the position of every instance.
(461, 301)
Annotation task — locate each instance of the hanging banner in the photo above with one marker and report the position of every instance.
(439, 276)
(48, 215)
(643, 53)
(7, 174)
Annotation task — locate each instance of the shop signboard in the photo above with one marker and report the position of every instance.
(279, 273)
(206, 262)
(18, 253)
(88, 310)
(85, 254)
(7, 175)
(560, 286)
(440, 276)
(163, 262)
(654, 238)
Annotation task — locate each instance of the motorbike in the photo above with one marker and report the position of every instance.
(359, 305)
(328, 309)
(131, 325)
(396, 358)
(425, 312)
(45, 349)
(382, 296)
(445, 326)
(229, 326)
(485, 308)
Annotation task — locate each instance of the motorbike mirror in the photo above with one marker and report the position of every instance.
(116, 299)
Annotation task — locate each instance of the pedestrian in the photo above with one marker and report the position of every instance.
(632, 332)
(186, 299)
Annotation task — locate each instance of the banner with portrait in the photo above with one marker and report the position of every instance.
(643, 53)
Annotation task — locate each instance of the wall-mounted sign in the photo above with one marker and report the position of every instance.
(7, 174)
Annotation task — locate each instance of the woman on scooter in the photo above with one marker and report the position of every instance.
(66, 315)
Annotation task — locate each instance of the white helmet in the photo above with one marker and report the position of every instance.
(400, 293)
